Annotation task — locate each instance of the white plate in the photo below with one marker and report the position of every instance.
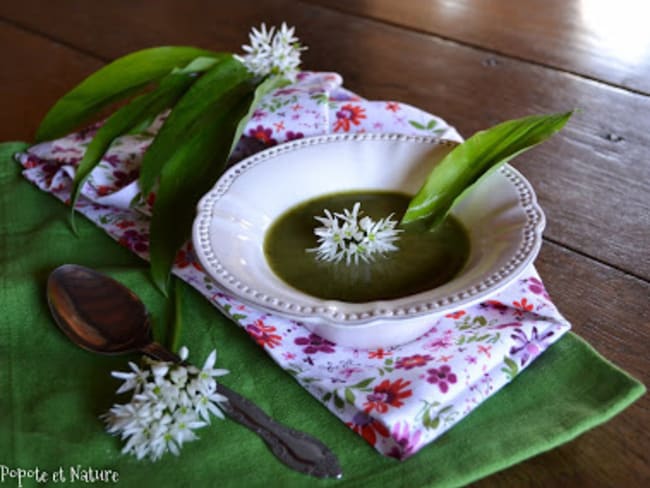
(501, 215)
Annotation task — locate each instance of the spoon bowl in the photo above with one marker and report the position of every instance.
(96, 312)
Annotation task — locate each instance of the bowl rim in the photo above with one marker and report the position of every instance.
(330, 312)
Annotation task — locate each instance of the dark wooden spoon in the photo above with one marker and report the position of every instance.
(103, 316)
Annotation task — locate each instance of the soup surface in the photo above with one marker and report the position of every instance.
(425, 260)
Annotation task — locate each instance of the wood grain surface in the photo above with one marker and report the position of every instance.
(474, 64)
(598, 39)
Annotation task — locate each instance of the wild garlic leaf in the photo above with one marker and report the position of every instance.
(198, 103)
(191, 171)
(118, 80)
(267, 86)
(123, 120)
(466, 163)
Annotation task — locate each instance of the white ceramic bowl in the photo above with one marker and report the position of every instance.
(500, 214)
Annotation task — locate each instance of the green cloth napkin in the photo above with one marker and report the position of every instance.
(53, 392)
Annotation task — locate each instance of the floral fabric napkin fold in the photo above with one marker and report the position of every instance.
(399, 399)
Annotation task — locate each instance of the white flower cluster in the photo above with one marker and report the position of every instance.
(350, 237)
(272, 52)
(169, 402)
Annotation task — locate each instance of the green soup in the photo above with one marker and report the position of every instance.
(425, 260)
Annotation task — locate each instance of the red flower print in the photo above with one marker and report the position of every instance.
(455, 315)
(279, 125)
(124, 224)
(103, 190)
(392, 106)
(522, 306)
(414, 361)
(387, 394)
(485, 350)
(186, 257)
(349, 114)
(379, 354)
(442, 377)
(31, 162)
(135, 241)
(367, 427)
(263, 334)
(263, 134)
(495, 305)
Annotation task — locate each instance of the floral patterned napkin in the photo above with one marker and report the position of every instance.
(398, 399)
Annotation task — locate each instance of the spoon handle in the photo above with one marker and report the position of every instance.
(296, 449)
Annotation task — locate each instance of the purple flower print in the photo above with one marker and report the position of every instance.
(367, 427)
(441, 343)
(442, 377)
(292, 136)
(285, 91)
(122, 178)
(537, 287)
(528, 348)
(88, 132)
(258, 114)
(315, 343)
(263, 134)
(113, 159)
(414, 361)
(407, 441)
(135, 241)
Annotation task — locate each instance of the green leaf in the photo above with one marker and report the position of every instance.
(127, 117)
(200, 64)
(363, 383)
(417, 125)
(426, 418)
(115, 81)
(349, 396)
(467, 162)
(190, 172)
(432, 123)
(268, 85)
(177, 326)
(512, 369)
(338, 402)
(198, 104)
(479, 319)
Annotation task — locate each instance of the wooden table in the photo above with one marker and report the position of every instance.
(475, 64)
